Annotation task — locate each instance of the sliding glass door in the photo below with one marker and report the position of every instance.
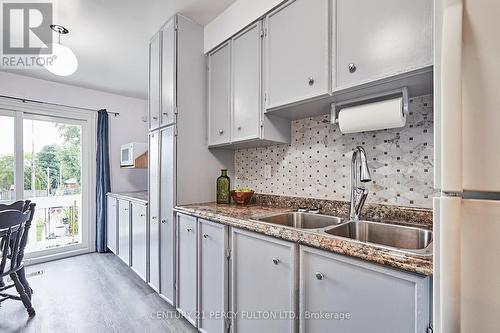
(45, 158)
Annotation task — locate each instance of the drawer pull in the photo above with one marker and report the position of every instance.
(189, 229)
(320, 276)
(352, 68)
(221, 132)
(311, 81)
(164, 221)
(276, 261)
(153, 217)
(205, 236)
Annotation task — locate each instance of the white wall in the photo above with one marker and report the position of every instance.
(127, 127)
(237, 16)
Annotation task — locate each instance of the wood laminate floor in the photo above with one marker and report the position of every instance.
(90, 293)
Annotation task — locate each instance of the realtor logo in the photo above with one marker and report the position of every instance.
(26, 28)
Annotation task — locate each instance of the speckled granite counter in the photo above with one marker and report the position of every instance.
(138, 196)
(239, 216)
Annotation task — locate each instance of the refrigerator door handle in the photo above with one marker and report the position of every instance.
(451, 96)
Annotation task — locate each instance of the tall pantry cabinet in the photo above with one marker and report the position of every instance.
(182, 170)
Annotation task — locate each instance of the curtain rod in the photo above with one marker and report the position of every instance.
(24, 100)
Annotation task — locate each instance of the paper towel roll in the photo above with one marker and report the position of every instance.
(373, 116)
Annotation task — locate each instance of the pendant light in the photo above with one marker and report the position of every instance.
(64, 61)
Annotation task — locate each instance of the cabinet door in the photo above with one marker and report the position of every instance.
(219, 96)
(187, 267)
(297, 52)
(154, 81)
(124, 230)
(263, 279)
(167, 203)
(154, 200)
(111, 225)
(139, 239)
(359, 297)
(168, 72)
(212, 275)
(381, 38)
(246, 78)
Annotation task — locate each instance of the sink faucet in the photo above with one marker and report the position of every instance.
(358, 194)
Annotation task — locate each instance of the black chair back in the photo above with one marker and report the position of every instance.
(15, 222)
(12, 229)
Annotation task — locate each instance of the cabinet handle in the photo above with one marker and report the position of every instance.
(311, 81)
(221, 132)
(189, 229)
(276, 261)
(205, 236)
(165, 113)
(352, 68)
(125, 208)
(142, 215)
(319, 276)
(164, 221)
(155, 118)
(239, 128)
(153, 217)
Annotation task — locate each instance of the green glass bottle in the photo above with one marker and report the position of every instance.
(223, 188)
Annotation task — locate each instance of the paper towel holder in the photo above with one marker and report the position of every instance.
(336, 107)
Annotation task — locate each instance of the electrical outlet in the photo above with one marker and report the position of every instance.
(267, 171)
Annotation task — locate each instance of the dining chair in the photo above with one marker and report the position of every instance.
(14, 228)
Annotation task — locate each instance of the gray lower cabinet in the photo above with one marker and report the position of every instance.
(263, 283)
(358, 296)
(377, 39)
(139, 239)
(212, 276)
(297, 52)
(112, 224)
(187, 286)
(167, 222)
(154, 211)
(124, 230)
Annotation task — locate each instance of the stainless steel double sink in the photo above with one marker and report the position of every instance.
(398, 237)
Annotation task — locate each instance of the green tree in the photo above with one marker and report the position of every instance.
(6, 172)
(48, 157)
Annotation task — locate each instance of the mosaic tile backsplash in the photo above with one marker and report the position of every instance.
(317, 162)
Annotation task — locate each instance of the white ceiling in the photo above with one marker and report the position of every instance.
(110, 39)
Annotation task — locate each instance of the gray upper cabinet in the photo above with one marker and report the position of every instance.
(246, 79)
(154, 201)
(297, 52)
(219, 96)
(212, 275)
(262, 279)
(168, 72)
(187, 286)
(377, 39)
(112, 225)
(154, 81)
(375, 298)
(167, 223)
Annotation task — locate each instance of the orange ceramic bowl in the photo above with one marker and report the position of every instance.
(241, 198)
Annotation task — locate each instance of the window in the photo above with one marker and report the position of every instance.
(47, 155)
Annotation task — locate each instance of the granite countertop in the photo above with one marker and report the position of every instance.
(239, 216)
(137, 196)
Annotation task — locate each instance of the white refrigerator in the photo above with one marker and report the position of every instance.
(467, 166)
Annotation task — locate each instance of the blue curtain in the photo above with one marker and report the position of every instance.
(103, 179)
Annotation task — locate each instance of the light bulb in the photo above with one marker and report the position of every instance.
(64, 61)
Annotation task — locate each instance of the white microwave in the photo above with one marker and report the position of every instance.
(130, 152)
